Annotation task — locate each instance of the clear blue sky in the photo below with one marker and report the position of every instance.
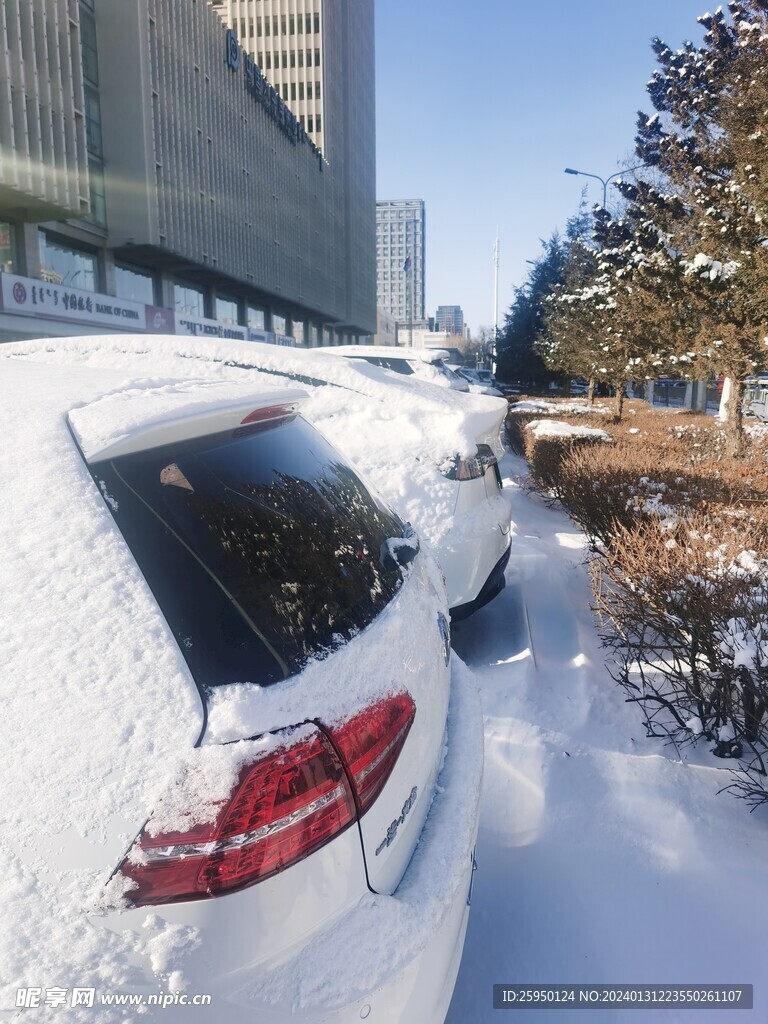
(480, 107)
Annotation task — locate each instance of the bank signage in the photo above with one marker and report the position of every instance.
(58, 302)
(203, 328)
(261, 90)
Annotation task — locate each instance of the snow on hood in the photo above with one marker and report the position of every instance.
(396, 430)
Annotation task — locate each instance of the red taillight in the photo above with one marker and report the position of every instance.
(284, 806)
(371, 742)
(270, 412)
(472, 467)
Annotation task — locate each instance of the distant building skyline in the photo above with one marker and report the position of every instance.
(450, 319)
(400, 266)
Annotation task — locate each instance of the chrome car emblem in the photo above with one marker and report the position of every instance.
(389, 838)
(444, 629)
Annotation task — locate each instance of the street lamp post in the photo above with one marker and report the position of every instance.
(603, 181)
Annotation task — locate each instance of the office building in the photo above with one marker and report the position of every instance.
(170, 188)
(287, 39)
(400, 235)
(450, 319)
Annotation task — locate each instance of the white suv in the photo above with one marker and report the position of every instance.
(431, 452)
(425, 363)
(241, 769)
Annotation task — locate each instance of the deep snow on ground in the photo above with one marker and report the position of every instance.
(602, 856)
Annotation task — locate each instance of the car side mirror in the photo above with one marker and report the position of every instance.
(397, 552)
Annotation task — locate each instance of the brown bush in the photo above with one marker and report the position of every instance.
(546, 454)
(514, 428)
(683, 611)
(620, 485)
(517, 421)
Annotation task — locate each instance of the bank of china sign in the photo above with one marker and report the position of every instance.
(29, 297)
(258, 86)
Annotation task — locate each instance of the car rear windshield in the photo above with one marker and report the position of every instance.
(387, 363)
(261, 546)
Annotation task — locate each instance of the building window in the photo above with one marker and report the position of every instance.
(309, 58)
(285, 92)
(301, 87)
(310, 123)
(135, 285)
(293, 59)
(88, 46)
(301, 58)
(188, 300)
(61, 263)
(317, 23)
(317, 90)
(292, 25)
(285, 58)
(274, 24)
(309, 90)
(6, 248)
(256, 319)
(266, 26)
(92, 120)
(282, 24)
(226, 310)
(301, 121)
(98, 212)
(308, 23)
(278, 323)
(258, 26)
(317, 58)
(276, 56)
(260, 60)
(317, 123)
(293, 88)
(269, 60)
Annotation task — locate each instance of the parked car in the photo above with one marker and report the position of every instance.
(755, 400)
(480, 381)
(239, 766)
(425, 363)
(430, 452)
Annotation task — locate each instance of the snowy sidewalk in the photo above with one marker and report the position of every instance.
(602, 858)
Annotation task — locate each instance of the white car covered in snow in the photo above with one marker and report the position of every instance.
(242, 768)
(427, 364)
(432, 453)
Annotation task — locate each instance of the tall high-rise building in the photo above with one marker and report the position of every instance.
(318, 56)
(400, 231)
(450, 319)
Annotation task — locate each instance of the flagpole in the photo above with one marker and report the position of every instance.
(409, 281)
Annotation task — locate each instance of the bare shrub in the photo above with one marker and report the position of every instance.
(683, 609)
(546, 455)
(514, 428)
(616, 486)
(634, 481)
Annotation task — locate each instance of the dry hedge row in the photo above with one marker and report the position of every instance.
(680, 572)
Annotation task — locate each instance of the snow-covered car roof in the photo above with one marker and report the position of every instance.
(424, 355)
(395, 429)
